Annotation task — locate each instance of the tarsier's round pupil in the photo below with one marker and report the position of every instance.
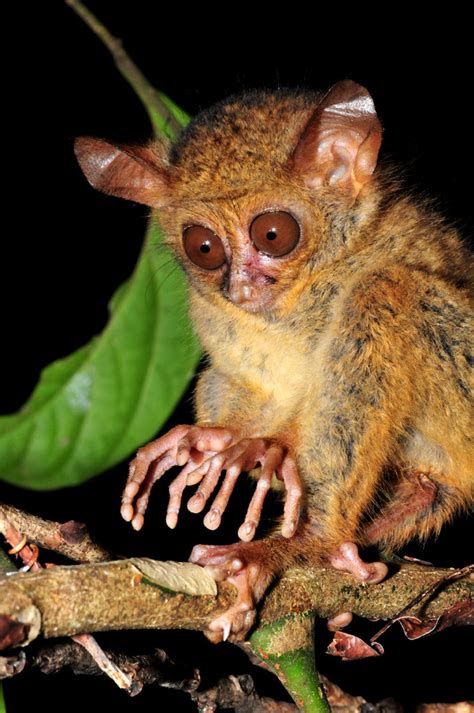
(203, 247)
(275, 233)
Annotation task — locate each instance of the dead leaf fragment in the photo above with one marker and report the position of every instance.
(460, 614)
(349, 647)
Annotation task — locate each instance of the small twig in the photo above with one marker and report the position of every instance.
(105, 664)
(156, 668)
(426, 592)
(68, 538)
(129, 70)
(60, 537)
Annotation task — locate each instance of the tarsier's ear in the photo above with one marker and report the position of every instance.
(340, 143)
(137, 173)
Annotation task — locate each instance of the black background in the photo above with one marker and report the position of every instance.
(66, 248)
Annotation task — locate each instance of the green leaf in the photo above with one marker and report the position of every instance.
(93, 408)
(90, 410)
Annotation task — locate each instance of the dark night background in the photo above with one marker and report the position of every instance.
(68, 248)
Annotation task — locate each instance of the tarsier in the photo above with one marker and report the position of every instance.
(335, 312)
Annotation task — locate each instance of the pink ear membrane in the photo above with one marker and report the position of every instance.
(131, 172)
(339, 144)
(95, 157)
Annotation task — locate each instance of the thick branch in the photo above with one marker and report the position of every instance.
(146, 594)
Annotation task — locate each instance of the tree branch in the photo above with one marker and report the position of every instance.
(140, 593)
(70, 539)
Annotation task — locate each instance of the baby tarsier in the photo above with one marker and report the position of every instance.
(335, 312)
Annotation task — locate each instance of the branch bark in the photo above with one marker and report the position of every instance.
(141, 593)
(70, 539)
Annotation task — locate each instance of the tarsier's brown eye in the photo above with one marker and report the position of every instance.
(275, 234)
(203, 247)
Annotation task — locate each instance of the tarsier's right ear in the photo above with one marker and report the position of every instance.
(137, 173)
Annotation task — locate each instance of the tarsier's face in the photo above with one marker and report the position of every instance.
(243, 194)
(241, 250)
(247, 267)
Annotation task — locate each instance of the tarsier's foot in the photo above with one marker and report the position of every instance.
(346, 558)
(205, 452)
(243, 565)
(242, 456)
(183, 446)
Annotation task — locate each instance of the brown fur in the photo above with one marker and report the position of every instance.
(362, 364)
(372, 339)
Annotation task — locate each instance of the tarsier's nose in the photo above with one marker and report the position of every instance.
(240, 292)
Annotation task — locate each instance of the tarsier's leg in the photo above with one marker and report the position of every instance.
(415, 494)
(251, 566)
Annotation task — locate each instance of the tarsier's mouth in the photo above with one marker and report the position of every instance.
(251, 294)
(268, 278)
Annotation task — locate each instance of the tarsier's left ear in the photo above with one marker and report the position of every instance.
(137, 173)
(340, 143)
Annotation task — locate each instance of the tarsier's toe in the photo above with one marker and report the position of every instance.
(339, 621)
(228, 563)
(222, 561)
(233, 625)
(347, 558)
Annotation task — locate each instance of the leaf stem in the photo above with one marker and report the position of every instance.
(167, 120)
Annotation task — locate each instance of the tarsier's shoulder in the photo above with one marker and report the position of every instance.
(415, 270)
(410, 229)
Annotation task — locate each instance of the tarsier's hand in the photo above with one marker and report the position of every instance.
(204, 452)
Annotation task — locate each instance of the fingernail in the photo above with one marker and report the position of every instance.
(192, 479)
(182, 456)
(171, 520)
(137, 522)
(196, 503)
(249, 528)
(246, 531)
(289, 529)
(214, 515)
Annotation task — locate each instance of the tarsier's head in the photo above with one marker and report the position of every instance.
(244, 194)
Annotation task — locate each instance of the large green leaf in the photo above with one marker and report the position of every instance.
(90, 410)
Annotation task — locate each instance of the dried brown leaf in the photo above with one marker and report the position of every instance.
(349, 647)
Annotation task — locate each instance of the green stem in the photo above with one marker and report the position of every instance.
(287, 648)
(167, 119)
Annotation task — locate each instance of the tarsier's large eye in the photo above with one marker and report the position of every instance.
(275, 234)
(203, 247)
